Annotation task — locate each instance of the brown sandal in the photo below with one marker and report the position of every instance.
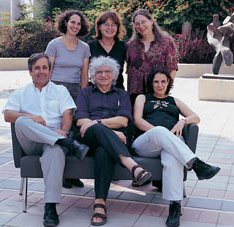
(99, 215)
(142, 177)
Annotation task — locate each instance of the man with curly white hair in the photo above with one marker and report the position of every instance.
(103, 113)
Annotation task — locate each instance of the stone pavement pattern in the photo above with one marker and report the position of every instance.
(208, 204)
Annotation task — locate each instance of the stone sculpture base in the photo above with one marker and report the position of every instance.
(216, 87)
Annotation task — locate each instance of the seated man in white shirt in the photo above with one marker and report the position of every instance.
(42, 113)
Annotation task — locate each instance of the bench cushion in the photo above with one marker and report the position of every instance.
(75, 168)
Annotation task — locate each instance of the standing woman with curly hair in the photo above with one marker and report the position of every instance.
(69, 55)
(108, 41)
(70, 59)
(148, 47)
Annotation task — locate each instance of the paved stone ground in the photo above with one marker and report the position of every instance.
(208, 204)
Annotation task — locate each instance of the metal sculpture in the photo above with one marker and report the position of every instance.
(219, 38)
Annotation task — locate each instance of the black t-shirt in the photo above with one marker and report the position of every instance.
(161, 111)
(118, 52)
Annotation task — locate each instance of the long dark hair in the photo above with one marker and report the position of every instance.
(153, 72)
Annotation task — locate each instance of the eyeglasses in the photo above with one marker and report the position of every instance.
(138, 24)
(100, 72)
(110, 25)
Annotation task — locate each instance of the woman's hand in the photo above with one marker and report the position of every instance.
(178, 128)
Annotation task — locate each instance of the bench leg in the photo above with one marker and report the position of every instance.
(184, 191)
(181, 208)
(25, 195)
(21, 186)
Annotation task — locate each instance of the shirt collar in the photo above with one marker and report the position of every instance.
(153, 41)
(113, 88)
(47, 87)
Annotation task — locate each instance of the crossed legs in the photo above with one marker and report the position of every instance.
(107, 150)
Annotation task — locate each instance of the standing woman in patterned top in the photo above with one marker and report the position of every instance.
(148, 47)
(109, 32)
(70, 59)
(68, 54)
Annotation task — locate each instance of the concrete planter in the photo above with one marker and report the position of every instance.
(185, 70)
(11, 64)
(216, 88)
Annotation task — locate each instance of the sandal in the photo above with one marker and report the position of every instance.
(142, 177)
(134, 183)
(99, 215)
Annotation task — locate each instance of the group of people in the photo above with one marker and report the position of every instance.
(44, 112)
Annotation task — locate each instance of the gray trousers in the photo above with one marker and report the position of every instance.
(36, 139)
(174, 156)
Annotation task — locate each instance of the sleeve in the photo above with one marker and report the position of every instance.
(65, 102)
(125, 106)
(51, 48)
(91, 48)
(172, 58)
(82, 103)
(128, 57)
(13, 103)
(87, 53)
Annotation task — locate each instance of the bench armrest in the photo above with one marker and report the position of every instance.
(190, 134)
(18, 152)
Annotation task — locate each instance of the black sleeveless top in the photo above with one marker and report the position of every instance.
(160, 112)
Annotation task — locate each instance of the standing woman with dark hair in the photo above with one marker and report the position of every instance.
(70, 59)
(109, 32)
(68, 54)
(148, 47)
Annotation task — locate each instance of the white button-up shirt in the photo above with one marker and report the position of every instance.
(49, 103)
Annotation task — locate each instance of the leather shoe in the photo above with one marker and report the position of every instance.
(204, 170)
(173, 219)
(79, 150)
(67, 183)
(77, 182)
(50, 216)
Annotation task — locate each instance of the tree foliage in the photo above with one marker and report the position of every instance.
(30, 36)
(198, 12)
(170, 14)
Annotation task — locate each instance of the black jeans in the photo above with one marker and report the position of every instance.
(105, 146)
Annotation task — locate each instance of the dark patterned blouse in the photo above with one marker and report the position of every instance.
(140, 63)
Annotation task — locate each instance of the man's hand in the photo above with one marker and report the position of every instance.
(61, 132)
(38, 119)
(85, 126)
(178, 127)
(121, 136)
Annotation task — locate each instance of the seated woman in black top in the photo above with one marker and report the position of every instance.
(156, 115)
(109, 32)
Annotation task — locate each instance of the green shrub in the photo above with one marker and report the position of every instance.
(28, 25)
(25, 38)
(194, 48)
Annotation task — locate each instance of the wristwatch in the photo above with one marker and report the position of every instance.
(99, 121)
(184, 119)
